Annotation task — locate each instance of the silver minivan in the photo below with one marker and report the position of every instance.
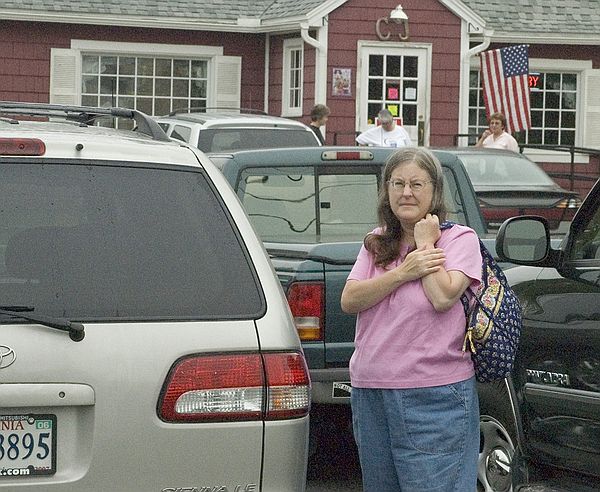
(145, 343)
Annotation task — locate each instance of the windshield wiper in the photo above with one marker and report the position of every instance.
(75, 330)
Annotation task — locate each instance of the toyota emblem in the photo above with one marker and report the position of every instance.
(7, 356)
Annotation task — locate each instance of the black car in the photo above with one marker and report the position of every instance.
(556, 384)
(509, 184)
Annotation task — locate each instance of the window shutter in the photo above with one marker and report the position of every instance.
(65, 78)
(228, 79)
(591, 107)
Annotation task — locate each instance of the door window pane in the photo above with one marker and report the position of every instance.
(393, 66)
(411, 66)
(376, 65)
(409, 114)
(394, 89)
(375, 89)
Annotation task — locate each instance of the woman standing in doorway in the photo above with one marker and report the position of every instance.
(414, 399)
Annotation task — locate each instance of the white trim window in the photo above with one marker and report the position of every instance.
(553, 99)
(153, 78)
(293, 77)
(153, 85)
(560, 109)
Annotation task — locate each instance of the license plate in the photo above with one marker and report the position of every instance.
(341, 389)
(27, 445)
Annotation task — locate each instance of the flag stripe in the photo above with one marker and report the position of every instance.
(506, 85)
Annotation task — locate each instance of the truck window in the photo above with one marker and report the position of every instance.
(586, 245)
(456, 212)
(295, 205)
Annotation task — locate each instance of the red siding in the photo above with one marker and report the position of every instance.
(25, 54)
(275, 74)
(429, 22)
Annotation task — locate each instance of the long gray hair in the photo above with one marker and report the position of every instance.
(386, 247)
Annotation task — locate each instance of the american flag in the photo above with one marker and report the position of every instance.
(505, 74)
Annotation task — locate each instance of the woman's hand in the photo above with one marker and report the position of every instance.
(484, 135)
(427, 231)
(421, 262)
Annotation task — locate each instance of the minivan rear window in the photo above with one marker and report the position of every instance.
(114, 242)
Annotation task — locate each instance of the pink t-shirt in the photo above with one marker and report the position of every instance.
(403, 342)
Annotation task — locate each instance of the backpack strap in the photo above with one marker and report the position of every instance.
(447, 224)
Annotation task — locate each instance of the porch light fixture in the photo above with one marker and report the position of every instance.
(397, 16)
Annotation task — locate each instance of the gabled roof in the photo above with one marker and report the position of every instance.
(547, 20)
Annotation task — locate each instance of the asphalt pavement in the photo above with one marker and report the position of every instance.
(333, 465)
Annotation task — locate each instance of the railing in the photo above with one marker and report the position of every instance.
(572, 150)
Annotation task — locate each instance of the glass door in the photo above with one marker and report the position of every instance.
(396, 78)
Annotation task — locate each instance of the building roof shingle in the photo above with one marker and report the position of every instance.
(539, 16)
(580, 17)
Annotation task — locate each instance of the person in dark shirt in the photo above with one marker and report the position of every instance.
(318, 117)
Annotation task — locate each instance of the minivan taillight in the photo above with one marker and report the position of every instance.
(22, 146)
(234, 387)
(306, 301)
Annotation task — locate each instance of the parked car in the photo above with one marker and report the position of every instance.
(555, 389)
(145, 342)
(509, 184)
(218, 130)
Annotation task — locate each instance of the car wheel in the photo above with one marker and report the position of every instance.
(497, 440)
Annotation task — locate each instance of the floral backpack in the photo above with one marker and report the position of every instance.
(494, 321)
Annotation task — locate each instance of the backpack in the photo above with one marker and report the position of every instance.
(494, 321)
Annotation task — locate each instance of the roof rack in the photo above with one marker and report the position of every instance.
(86, 115)
(201, 109)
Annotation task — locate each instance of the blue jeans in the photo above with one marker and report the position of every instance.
(418, 440)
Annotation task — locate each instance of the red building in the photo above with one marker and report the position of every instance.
(419, 60)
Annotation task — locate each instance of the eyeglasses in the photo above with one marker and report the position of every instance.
(415, 186)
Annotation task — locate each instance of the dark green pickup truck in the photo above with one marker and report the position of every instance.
(313, 207)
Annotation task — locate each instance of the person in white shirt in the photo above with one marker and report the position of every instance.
(495, 137)
(388, 134)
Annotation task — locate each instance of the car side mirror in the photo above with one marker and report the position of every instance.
(524, 240)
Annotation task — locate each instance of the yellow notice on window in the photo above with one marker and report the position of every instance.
(393, 108)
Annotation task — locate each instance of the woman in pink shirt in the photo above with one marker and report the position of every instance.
(414, 398)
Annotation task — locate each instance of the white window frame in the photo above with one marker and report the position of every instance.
(150, 49)
(367, 48)
(555, 65)
(289, 47)
(154, 50)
